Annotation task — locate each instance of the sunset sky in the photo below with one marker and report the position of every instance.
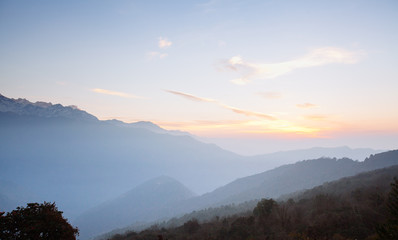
(251, 76)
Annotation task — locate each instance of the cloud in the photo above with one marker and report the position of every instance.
(317, 57)
(305, 105)
(270, 95)
(113, 93)
(153, 55)
(316, 117)
(240, 81)
(248, 113)
(164, 43)
(233, 109)
(191, 97)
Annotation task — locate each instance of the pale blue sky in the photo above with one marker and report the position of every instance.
(323, 72)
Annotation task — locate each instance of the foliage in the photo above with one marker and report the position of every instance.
(389, 230)
(264, 208)
(36, 221)
(345, 210)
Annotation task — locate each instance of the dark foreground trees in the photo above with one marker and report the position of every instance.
(389, 230)
(36, 221)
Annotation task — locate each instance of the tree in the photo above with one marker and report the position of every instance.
(191, 226)
(264, 208)
(36, 221)
(390, 229)
(262, 212)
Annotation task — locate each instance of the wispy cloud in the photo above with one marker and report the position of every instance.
(318, 57)
(233, 109)
(155, 55)
(270, 95)
(191, 97)
(248, 113)
(164, 43)
(306, 105)
(113, 93)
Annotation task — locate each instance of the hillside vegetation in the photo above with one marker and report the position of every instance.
(350, 208)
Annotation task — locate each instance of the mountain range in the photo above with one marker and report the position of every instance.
(365, 187)
(50, 152)
(269, 184)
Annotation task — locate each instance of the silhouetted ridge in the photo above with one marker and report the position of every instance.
(382, 159)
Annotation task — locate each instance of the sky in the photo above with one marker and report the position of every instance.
(251, 76)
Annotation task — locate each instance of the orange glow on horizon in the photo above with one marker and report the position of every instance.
(243, 128)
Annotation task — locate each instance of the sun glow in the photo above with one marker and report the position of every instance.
(249, 127)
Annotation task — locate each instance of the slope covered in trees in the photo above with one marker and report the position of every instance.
(350, 208)
(269, 184)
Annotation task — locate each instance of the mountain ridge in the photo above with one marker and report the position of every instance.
(81, 164)
(22, 106)
(139, 204)
(282, 180)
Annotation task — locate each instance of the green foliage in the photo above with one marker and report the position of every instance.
(36, 221)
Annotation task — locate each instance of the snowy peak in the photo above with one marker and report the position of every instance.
(24, 107)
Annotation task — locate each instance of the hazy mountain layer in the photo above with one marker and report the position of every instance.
(359, 186)
(81, 164)
(270, 184)
(292, 177)
(277, 159)
(66, 155)
(145, 202)
(349, 208)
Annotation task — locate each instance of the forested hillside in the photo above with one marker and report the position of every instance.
(270, 184)
(350, 208)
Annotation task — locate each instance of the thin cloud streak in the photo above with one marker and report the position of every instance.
(191, 97)
(233, 109)
(114, 93)
(317, 57)
(306, 105)
(248, 113)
